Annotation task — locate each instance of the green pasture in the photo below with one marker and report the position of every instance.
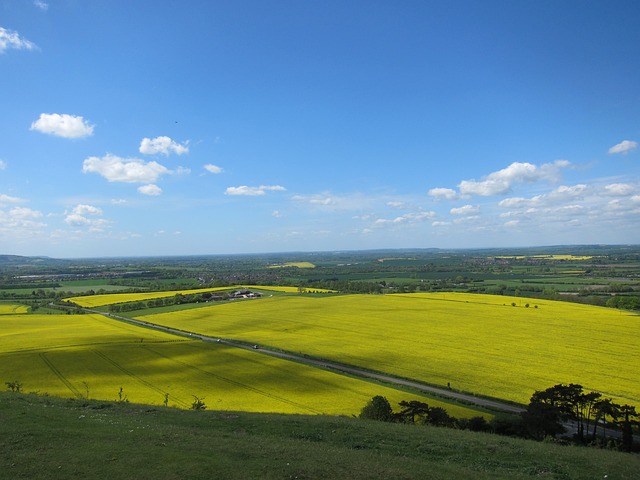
(91, 356)
(477, 343)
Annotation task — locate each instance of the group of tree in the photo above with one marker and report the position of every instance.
(553, 411)
(568, 411)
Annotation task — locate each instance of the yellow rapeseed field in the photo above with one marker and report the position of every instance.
(93, 301)
(6, 308)
(94, 356)
(477, 343)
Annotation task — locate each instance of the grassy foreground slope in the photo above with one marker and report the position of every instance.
(91, 356)
(478, 343)
(46, 438)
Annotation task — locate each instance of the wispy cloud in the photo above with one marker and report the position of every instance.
(465, 210)
(41, 5)
(9, 200)
(212, 168)
(253, 191)
(63, 125)
(12, 40)
(163, 145)
(623, 147)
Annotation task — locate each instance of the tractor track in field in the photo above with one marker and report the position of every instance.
(60, 375)
(332, 366)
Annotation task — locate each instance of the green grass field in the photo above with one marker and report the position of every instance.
(82, 356)
(477, 343)
(51, 439)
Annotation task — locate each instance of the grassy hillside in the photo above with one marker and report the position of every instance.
(48, 438)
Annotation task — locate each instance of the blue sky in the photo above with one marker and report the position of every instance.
(208, 127)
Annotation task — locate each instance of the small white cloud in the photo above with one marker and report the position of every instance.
(118, 201)
(3, 165)
(619, 189)
(395, 204)
(512, 223)
(212, 168)
(116, 169)
(253, 191)
(151, 189)
(276, 214)
(439, 223)
(86, 210)
(623, 147)
(163, 145)
(465, 210)
(24, 213)
(407, 218)
(513, 202)
(12, 40)
(41, 5)
(62, 125)
(443, 193)
(7, 199)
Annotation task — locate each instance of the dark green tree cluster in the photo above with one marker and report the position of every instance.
(624, 302)
(587, 417)
(562, 407)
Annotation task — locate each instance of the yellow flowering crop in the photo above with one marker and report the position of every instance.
(91, 355)
(477, 343)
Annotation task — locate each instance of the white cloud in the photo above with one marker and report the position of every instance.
(21, 222)
(276, 214)
(395, 204)
(10, 39)
(24, 213)
(443, 193)
(407, 218)
(132, 170)
(465, 210)
(212, 168)
(62, 125)
(80, 217)
(7, 199)
(253, 191)
(163, 145)
(3, 164)
(500, 182)
(619, 189)
(82, 209)
(623, 147)
(151, 189)
(41, 5)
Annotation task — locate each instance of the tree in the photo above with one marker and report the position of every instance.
(413, 409)
(628, 413)
(605, 408)
(198, 403)
(378, 408)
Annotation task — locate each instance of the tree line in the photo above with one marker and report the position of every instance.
(567, 411)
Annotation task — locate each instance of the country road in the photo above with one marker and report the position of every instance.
(329, 365)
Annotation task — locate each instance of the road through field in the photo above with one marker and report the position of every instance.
(328, 365)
